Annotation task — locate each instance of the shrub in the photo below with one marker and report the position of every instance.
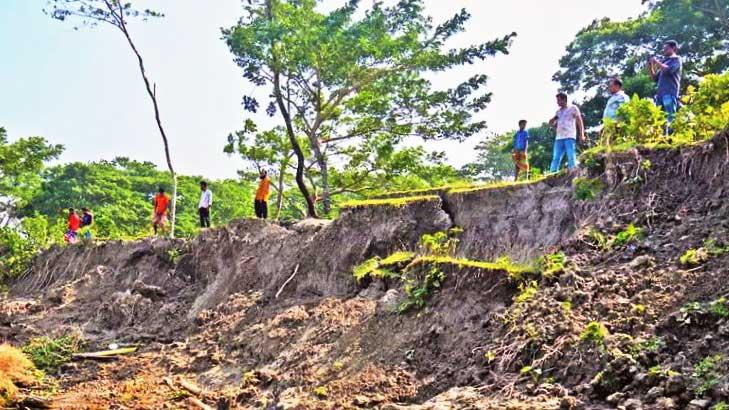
(706, 374)
(706, 109)
(638, 122)
(587, 189)
(19, 245)
(719, 308)
(694, 257)
(552, 264)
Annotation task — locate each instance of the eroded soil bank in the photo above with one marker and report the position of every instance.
(264, 316)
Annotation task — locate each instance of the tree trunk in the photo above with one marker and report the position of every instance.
(321, 160)
(300, 159)
(152, 91)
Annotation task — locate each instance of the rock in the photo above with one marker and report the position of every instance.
(615, 398)
(642, 261)
(390, 301)
(666, 403)
(675, 385)
(633, 404)
(567, 403)
(148, 291)
(698, 404)
(654, 393)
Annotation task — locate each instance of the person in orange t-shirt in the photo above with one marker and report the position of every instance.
(74, 224)
(161, 204)
(264, 189)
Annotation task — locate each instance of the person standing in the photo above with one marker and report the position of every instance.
(161, 205)
(261, 200)
(519, 156)
(74, 223)
(206, 202)
(87, 219)
(667, 74)
(617, 98)
(568, 122)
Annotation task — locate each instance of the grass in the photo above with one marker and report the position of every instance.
(500, 265)
(631, 233)
(420, 191)
(15, 368)
(706, 374)
(587, 189)
(496, 185)
(376, 267)
(48, 354)
(394, 202)
(594, 332)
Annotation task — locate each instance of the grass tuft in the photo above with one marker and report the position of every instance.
(15, 368)
(48, 354)
(394, 202)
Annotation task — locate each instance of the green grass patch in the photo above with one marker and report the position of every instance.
(706, 374)
(381, 268)
(587, 189)
(631, 233)
(393, 202)
(595, 332)
(500, 265)
(497, 185)
(48, 354)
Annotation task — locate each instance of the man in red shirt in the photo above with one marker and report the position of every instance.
(161, 204)
(74, 224)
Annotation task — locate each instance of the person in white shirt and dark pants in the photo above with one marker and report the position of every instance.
(206, 202)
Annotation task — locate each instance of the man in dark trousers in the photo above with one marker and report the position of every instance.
(206, 202)
(261, 201)
(667, 74)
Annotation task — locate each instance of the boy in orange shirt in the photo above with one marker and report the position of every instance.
(261, 202)
(161, 203)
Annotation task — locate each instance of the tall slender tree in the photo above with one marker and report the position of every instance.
(341, 79)
(116, 13)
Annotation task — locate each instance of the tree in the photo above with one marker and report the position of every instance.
(339, 79)
(116, 13)
(606, 48)
(20, 164)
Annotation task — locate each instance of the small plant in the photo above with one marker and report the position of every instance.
(713, 248)
(553, 264)
(382, 268)
(694, 257)
(490, 356)
(178, 395)
(595, 332)
(638, 309)
(645, 165)
(527, 291)
(534, 373)
(631, 233)
(440, 243)
(722, 405)
(48, 354)
(706, 374)
(174, 255)
(651, 345)
(598, 239)
(587, 189)
(337, 366)
(719, 308)
(321, 392)
(420, 284)
(659, 372)
(566, 306)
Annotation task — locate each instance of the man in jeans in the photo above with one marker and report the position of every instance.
(567, 121)
(206, 202)
(667, 74)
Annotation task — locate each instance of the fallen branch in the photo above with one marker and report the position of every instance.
(105, 354)
(189, 386)
(296, 270)
(199, 404)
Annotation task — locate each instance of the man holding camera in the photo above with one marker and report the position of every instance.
(667, 74)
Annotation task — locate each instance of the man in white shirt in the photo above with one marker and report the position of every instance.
(567, 121)
(206, 202)
(617, 98)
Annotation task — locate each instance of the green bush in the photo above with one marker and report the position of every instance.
(706, 374)
(587, 189)
(706, 109)
(48, 354)
(638, 122)
(552, 264)
(631, 233)
(595, 332)
(19, 245)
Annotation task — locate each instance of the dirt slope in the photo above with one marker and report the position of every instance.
(206, 310)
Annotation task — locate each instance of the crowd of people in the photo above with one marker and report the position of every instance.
(570, 129)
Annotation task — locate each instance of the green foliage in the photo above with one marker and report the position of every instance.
(321, 392)
(605, 48)
(120, 194)
(661, 373)
(722, 405)
(631, 233)
(651, 345)
(706, 109)
(598, 239)
(638, 122)
(719, 307)
(174, 255)
(527, 291)
(48, 354)
(354, 82)
(587, 189)
(382, 268)
(595, 332)
(420, 283)
(694, 257)
(553, 264)
(395, 202)
(440, 243)
(19, 245)
(706, 374)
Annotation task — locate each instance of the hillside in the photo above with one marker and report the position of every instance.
(614, 296)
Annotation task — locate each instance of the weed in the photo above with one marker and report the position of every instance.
(420, 284)
(566, 306)
(587, 189)
(597, 239)
(337, 366)
(638, 309)
(706, 374)
(393, 202)
(553, 264)
(48, 354)
(651, 345)
(178, 395)
(377, 268)
(659, 372)
(722, 405)
(631, 233)
(174, 255)
(321, 392)
(527, 291)
(694, 257)
(535, 373)
(595, 332)
(720, 308)
(440, 243)
(645, 165)
(490, 356)
(714, 249)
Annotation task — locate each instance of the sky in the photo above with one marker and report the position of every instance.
(82, 88)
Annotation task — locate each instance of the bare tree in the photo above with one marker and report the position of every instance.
(116, 13)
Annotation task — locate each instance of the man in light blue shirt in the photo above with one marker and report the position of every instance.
(617, 98)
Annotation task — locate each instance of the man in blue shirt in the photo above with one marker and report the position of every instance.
(667, 74)
(521, 139)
